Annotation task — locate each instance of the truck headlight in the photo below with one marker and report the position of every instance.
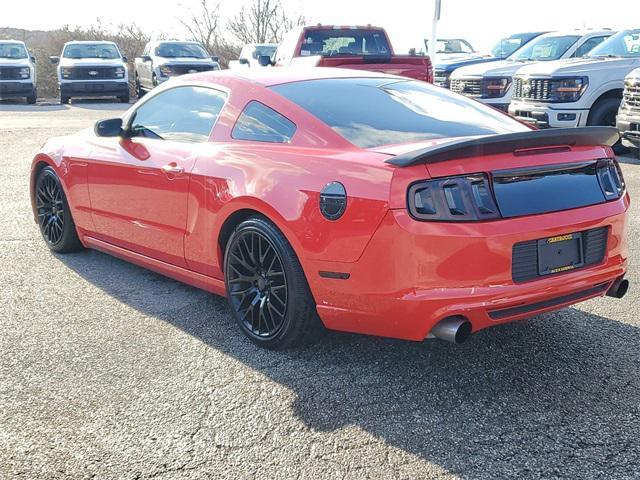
(119, 72)
(25, 72)
(568, 89)
(496, 87)
(66, 72)
(166, 70)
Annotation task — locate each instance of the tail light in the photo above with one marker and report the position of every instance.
(453, 199)
(610, 178)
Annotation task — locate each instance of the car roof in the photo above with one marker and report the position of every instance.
(90, 42)
(8, 40)
(278, 75)
(579, 31)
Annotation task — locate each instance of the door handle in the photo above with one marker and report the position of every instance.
(172, 168)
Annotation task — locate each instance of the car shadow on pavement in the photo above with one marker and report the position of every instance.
(555, 396)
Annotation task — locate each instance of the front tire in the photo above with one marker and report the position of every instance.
(603, 113)
(139, 90)
(54, 216)
(31, 99)
(266, 287)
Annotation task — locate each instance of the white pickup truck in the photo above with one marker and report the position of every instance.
(492, 83)
(92, 69)
(580, 91)
(628, 119)
(164, 59)
(17, 71)
(251, 53)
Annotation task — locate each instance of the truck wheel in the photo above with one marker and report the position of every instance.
(603, 113)
(266, 287)
(139, 91)
(64, 99)
(154, 80)
(31, 99)
(124, 98)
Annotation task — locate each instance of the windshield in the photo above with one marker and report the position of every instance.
(344, 42)
(451, 45)
(12, 50)
(264, 50)
(91, 50)
(506, 46)
(370, 112)
(545, 48)
(175, 50)
(622, 44)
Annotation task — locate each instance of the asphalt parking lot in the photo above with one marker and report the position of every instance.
(110, 371)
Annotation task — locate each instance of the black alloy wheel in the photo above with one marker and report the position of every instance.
(257, 284)
(266, 287)
(54, 217)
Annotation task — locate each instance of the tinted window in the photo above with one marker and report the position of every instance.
(545, 48)
(380, 111)
(184, 50)
(184, 114)
(90, 50)
(622, 44)
(587, 46)
(260, 123)
(344, 42)
(12, 50)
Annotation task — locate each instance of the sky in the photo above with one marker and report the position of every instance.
(407, 21)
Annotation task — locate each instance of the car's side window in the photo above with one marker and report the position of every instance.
(588, 45)
(183, 114)
(260, 123)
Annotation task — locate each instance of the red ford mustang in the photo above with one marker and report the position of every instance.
(359, 201)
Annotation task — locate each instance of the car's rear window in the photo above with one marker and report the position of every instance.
(341, 42)
(370, 112)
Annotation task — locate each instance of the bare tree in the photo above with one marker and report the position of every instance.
(204, 26)
(264, 21)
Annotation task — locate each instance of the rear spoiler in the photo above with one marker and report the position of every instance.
(507, 143)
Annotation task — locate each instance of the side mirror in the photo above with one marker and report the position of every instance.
(33, 59)
(111, 127)
(54, 59)
(243, 61)
(125, 59)
(264, 60)
(146, 58)
(215, 58)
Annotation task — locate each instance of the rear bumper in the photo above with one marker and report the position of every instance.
(546, 116)
(629, 126)
(414, 274)
(94, 89)
(16, 89)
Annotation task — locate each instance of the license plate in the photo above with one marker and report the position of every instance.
(560, 254)
(94, 88)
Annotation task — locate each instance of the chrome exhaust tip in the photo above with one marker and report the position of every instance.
(454, 329)
(619, 288)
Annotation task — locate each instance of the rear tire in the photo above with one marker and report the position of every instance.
(266, 287)
(603, 113)
(139, 90)
(54, 216)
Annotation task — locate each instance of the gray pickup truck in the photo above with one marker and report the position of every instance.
(164, 59)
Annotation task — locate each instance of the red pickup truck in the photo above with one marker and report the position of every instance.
(360, 48)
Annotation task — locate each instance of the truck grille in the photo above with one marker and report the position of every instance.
(184, 69)
(531, 88)
(468, 87)
(631, 95)
(93, 73)
(441, 78)
(525, 254)
(10, 73)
